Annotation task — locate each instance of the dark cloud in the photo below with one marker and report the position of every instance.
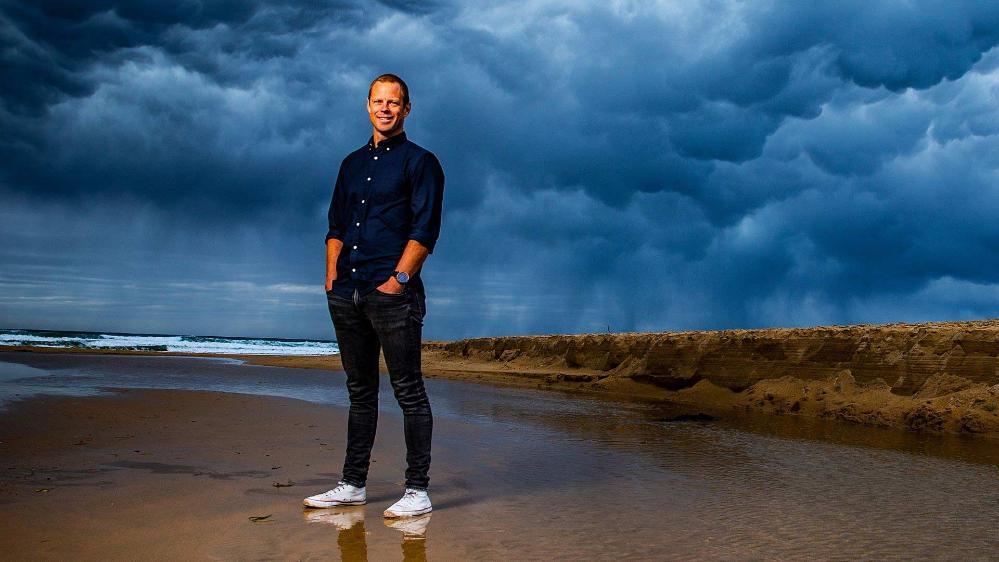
(882, 44)
(637, 166)
(49, 47)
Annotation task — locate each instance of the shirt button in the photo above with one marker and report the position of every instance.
(376, 158)
(362, 201)
(358, 224)
(369, 179)
(387, 148)
(353, 270)
(355, 247)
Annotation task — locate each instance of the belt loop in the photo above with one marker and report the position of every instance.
(356, 298)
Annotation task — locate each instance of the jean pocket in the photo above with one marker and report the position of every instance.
(331, 296)
(396, 295)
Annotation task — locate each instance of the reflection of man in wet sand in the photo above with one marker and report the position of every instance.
(384, 219)
(352, 539)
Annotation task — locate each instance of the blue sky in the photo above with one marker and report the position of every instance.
(632, 166)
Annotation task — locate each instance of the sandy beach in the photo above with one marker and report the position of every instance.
(935, 377)
(117, 467)
(165, 474)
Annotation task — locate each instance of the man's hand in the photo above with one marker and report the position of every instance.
(333, 247)
(391, 286)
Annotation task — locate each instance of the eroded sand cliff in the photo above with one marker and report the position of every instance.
(937, 377)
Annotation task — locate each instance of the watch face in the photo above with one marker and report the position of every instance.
(402, 277)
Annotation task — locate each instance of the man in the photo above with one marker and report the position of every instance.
(384, 220)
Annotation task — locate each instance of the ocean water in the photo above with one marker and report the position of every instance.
(162, 342)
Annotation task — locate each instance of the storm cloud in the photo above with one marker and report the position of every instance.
(643, 166)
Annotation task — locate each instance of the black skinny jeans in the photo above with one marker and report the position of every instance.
(393, 323)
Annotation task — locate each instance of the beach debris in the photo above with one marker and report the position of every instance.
(43, 490)
(275, 467)
(287, 484)
(260, 518)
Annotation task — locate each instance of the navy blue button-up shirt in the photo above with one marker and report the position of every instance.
(383, 198)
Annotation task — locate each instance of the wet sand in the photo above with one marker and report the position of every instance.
(169, 474)
(517, 474)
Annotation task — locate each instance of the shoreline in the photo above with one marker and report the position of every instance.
(932, 377)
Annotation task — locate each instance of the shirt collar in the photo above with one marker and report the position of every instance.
(391, 141)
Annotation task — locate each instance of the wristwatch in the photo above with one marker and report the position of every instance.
(402, 277)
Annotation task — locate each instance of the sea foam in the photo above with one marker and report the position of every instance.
(173, 343)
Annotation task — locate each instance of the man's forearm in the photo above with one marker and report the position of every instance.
(412, 258)
(333, 247)
(411, 261)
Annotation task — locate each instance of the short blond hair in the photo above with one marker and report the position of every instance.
(392, 78)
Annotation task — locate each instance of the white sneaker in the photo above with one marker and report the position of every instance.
(413, 502)
(343, 494)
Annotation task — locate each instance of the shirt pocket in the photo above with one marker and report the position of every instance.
(393, 219)
(389, 189)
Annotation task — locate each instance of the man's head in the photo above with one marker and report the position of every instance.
(388, 104)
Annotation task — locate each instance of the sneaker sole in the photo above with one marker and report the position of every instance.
(393, 515)
(321, 504)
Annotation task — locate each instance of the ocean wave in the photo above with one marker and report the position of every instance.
(162, 342)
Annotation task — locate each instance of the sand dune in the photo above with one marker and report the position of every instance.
(935, 377)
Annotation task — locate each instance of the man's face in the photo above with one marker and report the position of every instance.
(385, 108)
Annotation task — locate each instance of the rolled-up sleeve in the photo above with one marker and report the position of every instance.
(336, 215)
(427, 200)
